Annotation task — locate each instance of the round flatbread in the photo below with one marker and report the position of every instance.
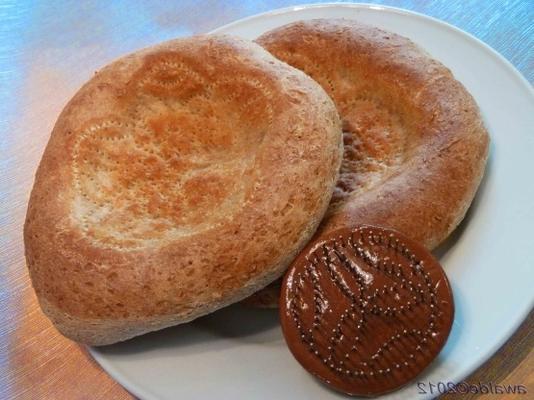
(178, 180)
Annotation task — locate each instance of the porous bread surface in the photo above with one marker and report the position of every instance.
(179, 179)
(415, 146)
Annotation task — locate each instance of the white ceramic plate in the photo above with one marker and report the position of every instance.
(239, 353)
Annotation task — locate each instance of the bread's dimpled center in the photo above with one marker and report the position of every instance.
(375, 138)
(179, 162)
(374, 142)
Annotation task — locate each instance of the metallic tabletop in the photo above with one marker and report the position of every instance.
(47, 50)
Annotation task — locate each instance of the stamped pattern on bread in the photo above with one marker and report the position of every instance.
(169, 76)
(140, 181)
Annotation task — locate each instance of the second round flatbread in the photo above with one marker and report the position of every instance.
(415, 144)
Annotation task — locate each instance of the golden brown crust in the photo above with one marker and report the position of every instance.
(179, 179)
(415, 144)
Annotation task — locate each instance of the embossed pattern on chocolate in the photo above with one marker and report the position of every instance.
(366, 310)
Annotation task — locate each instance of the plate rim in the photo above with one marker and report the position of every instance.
(379, 7)
(140, 391)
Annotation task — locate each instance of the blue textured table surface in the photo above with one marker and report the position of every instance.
(47, 50)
